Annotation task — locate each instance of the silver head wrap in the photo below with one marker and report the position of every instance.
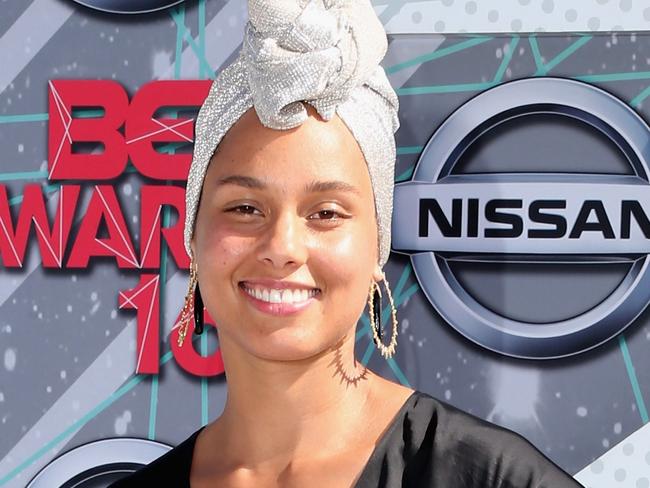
(322, 52)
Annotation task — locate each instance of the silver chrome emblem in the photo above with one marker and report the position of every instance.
(541, 218)
(98, 463)
(128, 6)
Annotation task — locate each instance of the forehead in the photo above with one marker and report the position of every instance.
(316, 149)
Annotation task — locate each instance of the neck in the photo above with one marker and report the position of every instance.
(281, 411)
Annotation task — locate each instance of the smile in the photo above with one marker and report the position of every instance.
(278, 301)
(271, 295)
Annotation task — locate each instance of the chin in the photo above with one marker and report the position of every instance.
(286, 345)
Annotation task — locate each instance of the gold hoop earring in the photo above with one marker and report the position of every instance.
(188, 305)
(374, 310)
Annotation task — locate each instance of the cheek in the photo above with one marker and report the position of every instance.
(345, 249)
(219, 253)
(348, 263)
(222, 248)
(355, 249)
(216, 244)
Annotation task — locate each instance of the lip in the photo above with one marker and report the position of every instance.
(277, 309)
(278, 284)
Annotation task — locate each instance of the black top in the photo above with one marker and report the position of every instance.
(429, 443)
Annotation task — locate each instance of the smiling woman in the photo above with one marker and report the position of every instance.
(285, 211)
(288, 229)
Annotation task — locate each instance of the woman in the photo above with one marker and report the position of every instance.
(289, 202)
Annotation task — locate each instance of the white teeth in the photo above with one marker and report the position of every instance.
(280, 296)
(298, 296)
(287, 296)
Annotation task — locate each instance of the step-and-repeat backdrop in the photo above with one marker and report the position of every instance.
(521, 231)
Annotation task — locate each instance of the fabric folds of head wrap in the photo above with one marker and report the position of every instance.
(322, 52)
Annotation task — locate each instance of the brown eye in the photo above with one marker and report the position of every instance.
(327, 214)
(243, 209)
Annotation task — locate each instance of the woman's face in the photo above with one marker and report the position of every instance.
(286, 216)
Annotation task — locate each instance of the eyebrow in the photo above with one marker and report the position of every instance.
(245, 181)
(312, 187)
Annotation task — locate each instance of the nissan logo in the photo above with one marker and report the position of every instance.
(545, 222)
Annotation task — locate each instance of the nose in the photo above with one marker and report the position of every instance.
(283, 243)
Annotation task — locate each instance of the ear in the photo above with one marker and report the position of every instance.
(378, 273)
(193, 246)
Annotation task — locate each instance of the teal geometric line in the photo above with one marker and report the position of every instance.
(202, 36)
(153, 399)
(437, 54)
(204, 381)
(472, 87)
(43, 117)
(112, 398)
(153, 402)
(19, 198)
(368, 353)
(399, 374)
(405, 175)
(202, 61)
(153, 407)
(393, 7)
(204, 336)
(83, 113)
(639, 75)
(563, 55)
(4, 119)
(179, 42)
(410, 290)
(453, 88)
(636, 101)
(506, 60)
(532, 40)
(37, 175)
(632, 376)
(171, 147)
(409, 150)
(23, 175)
(188, 37)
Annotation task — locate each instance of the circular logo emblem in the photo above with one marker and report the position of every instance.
(533, 260)
(128, 6)
(99, 463)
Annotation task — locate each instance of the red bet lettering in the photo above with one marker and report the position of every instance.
(145, 298)
(63, 129)
(51, 243)
(142, 129)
